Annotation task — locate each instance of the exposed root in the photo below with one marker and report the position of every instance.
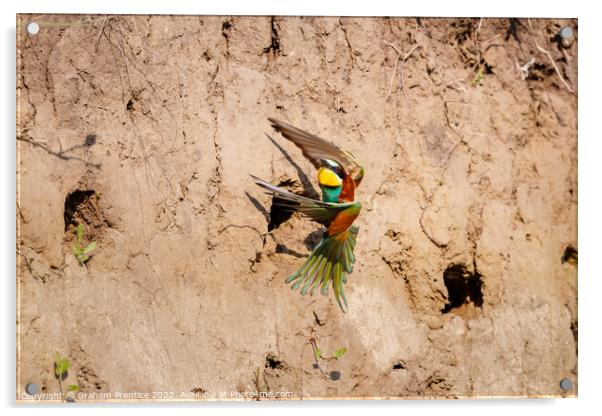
(564, 82)
(400, 57)
(100, 33)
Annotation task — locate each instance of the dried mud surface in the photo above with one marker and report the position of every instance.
(145, 130)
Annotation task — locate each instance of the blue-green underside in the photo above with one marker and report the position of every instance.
(331, 194)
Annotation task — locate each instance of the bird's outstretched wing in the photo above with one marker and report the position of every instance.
(319, 211)
(316, 149)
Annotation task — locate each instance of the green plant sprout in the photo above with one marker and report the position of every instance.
(258, 387)
(80, 251)
(318, 352)
(61, 371)
(478, 78)
(332, 375)
(340, 352)
(61, 367)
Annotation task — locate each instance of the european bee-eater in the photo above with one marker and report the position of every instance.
(339, 173)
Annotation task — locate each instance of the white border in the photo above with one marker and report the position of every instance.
(590, 176)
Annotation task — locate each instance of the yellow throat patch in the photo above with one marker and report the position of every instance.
(327, 177)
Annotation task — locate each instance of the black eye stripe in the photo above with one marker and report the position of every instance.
(335, 167)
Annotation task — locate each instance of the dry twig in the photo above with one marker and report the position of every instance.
(478, 29)
(400, 57)
(100, 32)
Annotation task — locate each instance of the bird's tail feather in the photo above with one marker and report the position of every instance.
(331, 260)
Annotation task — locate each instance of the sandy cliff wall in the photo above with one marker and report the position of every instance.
(145, 130)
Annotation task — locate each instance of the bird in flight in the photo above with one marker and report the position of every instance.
(339, 174)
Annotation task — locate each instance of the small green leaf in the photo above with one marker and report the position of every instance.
(89, 248)
(61, 365)
(318, 353)
(80, 232)
(73, 387)
(340, 352)
(478, 78)
(64, 366)
(76, 250)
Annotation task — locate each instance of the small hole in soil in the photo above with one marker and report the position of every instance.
(73, 202)
(334, 375)
(273, 362)
(462, 286)
(487, 68)
(539, 72)
(570, 255)
(90, 139)
(399, 366)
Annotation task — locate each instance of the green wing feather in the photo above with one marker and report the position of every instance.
(331, 261)
(316, 149)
